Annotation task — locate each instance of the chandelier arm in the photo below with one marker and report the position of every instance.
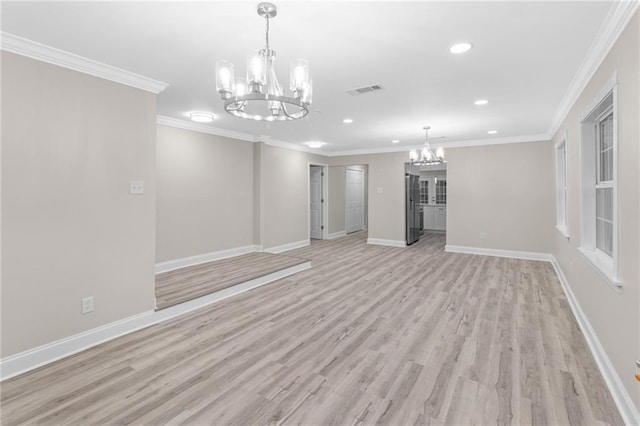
(284, 109)
(240, 106)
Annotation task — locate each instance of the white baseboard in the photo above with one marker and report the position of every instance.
(621, 397)
(170, 265)
(338, 234)
(528, 255)
(390, 243)
(31, 359)
(288, 246)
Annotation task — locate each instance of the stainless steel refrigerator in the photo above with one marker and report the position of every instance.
(413, 207)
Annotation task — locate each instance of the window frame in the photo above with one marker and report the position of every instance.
(561, 187)
(602, 105)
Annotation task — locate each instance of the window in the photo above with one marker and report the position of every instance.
(441, 191)
(604, 185)
(598, 203)
(424, 191)
(561, 187)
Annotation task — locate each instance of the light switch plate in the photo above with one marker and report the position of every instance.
(136, 187)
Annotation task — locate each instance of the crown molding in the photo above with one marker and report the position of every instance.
(31, 49)
(614, 24)
(541, 137)
(366, 151)
(288, 145)
(203, 128)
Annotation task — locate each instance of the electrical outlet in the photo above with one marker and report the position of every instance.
(136, 187)
(482, 235)
(87, 304)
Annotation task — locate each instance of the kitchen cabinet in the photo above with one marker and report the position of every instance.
(435, 217)
(428, 217)
(440, 218)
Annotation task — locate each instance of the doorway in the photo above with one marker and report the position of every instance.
(317, 205)
(354, 202)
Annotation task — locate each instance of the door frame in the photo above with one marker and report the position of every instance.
(325, 197)
(346, 204)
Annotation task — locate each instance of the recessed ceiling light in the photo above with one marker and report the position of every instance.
(395, 141)
(481, 102)
(201, 117)
(315, 144)
(347, 121)
(460, 48)
(492, 132)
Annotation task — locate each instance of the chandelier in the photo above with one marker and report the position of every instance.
(260, 97)
(427, 156)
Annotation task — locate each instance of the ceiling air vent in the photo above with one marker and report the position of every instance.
(362, 90)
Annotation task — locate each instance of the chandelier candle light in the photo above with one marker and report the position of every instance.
(260, 97)
(427, 156)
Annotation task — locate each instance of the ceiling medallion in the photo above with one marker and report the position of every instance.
(427, 156)
(260, 97)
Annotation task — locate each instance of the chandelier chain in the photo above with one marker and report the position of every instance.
(267, 33)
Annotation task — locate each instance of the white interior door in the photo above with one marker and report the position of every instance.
(355, 200)
(315, 199)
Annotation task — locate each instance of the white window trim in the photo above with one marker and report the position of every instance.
(607, 267)
(562, 227)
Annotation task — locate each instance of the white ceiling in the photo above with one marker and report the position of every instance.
(524, 58)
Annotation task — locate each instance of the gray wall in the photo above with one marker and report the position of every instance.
(614, 316)
(205, 193)
(337, 199)
(284, 199)
(504, 191)
(385, 195)
(70, 144)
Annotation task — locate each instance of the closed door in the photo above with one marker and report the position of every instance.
(355, 200)
(315, 198)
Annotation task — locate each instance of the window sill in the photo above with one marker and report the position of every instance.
(604, 268)
(563, 230)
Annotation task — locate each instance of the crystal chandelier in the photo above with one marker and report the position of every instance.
(427, 156)
(260, 97)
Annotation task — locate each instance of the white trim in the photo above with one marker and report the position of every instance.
(614, 24)
(41, 52)
(589, 166)
(527, 255)
(28, 360)
(562, 145)
(203, 128)
(170, 265)
(335, 235)
(267, 140)
(604, 267)
(604, 91)
(543, 137)
(383, 242)
(621, 397)
(564, 231)
(288, 246)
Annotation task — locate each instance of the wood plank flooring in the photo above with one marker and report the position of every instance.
(180, 285)
(368, 335)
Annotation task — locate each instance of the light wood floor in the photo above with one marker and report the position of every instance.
(368, 335)
(188, 283)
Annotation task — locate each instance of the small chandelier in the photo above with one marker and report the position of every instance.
(260, 97)
(427, 156)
